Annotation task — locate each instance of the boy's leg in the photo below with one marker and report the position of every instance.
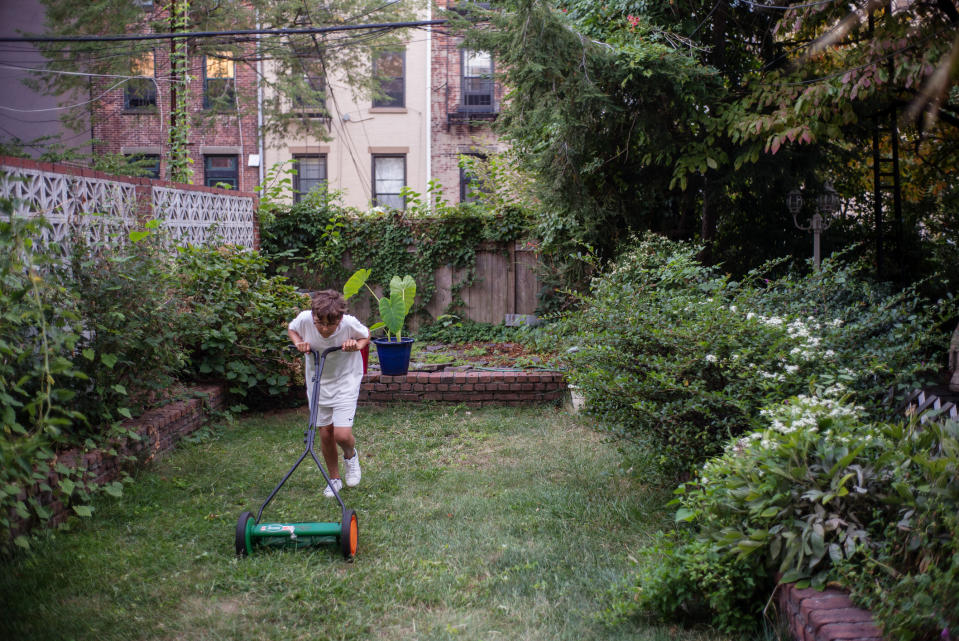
(344, 438)
(343, 434)
(330, 454)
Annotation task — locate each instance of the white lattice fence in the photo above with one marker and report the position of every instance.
(99, 208)
(197, 217)
(73, 205)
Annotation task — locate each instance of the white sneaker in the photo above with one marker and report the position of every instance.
(351, 470)
(334, 483)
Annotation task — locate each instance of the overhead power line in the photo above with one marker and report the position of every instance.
(219, 34)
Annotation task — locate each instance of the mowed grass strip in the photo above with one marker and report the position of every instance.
(483, 524)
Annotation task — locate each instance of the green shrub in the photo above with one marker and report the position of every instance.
(235, 319)
(819, 496)
(128, 327)
(452, 331)
(87, 339)
(672, 354)
(694, 583)
(910, 579)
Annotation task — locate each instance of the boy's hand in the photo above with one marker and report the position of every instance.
(303, 346)
(350, 345)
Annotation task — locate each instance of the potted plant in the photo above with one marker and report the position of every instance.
(394, 350)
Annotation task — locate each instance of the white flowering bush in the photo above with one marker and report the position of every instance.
(817, 496)
(677, 356)
(801, 492)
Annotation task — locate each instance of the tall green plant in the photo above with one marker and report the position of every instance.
(393, 309)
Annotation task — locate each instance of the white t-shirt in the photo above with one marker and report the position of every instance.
(343, 371)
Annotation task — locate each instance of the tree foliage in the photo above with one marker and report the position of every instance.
(695, 118)
(298, 68)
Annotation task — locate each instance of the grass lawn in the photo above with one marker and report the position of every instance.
(485, 524)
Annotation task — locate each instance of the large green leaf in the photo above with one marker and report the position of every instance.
(393, 312)
(404, 289)
(356, 282)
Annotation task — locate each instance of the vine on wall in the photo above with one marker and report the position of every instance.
(318, 243)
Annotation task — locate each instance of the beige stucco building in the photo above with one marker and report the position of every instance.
(375, 146)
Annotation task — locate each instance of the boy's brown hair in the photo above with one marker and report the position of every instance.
(328, 304)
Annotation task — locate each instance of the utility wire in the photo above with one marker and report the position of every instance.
(218, 34)
(759, 5)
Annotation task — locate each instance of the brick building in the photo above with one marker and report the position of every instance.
(439, 103)
(134, 118)
(465, 101)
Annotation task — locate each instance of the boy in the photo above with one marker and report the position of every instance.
(326, 324)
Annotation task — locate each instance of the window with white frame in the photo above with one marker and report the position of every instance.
(310, 97)
(477, 82)
(389, 178)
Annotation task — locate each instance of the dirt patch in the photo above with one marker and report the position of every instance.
(481, 354)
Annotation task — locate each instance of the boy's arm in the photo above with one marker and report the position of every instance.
(298, 341)
(355, 344)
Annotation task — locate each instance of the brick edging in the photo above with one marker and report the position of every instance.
(159, 430)
(473, 388)
(828, 615)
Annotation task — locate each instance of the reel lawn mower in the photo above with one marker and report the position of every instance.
(251, 533)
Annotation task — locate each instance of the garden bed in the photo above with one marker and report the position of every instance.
(475, 374)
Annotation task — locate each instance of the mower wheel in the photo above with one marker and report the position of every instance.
(241, 540)
(349, 538)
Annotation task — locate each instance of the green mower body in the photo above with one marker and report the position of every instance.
(252, 533)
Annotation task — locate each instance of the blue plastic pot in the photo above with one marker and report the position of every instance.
(394, 355)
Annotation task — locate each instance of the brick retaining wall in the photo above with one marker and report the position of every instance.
(829, 615)
(159, 430)
(472, 388)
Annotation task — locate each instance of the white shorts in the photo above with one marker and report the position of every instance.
(337, 416)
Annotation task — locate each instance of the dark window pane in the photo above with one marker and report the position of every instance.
(390, 69)
(218, 76)
(148, 163)
(310, 174)
(220, 169)
(141, 93)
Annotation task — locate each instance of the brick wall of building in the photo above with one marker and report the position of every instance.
(451, 139)
(118, 130)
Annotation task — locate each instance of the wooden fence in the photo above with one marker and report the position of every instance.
(504, 283)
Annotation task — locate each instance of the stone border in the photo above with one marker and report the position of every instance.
(474, 388)
(829, 615)
(159, 429)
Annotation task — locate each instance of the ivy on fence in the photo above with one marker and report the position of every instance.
(318, 243)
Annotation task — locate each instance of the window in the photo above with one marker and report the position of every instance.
(140, 94)
(389, 177)
(310, 174)
(477, 82)
(149, 163)
(218, 73)
(470, 186)
(311, 99)
(390, 69)
(220, 169)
